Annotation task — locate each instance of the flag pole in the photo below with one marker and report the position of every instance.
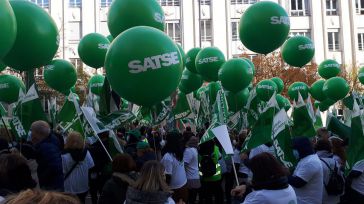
(235, 174)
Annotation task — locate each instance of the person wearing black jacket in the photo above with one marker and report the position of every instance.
(354, 192)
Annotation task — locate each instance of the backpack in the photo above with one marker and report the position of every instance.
(207, 166)
(336, 183)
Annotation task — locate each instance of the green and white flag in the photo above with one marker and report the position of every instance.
(117, 119)
(261, 131)
(52, 111)
(3, 112)
(107, 103)
(337, 127)
(160, 113)
(281, 137)
(318, 123)
(303, 125)
(220, 110)
(182, 108)
(68, 111)
(28, 110)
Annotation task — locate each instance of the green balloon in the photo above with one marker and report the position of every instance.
(9, 88)
(96, 83)
(8, 28)
(298, 51)
(125, 14)
(92, 49)
(283, 102)
(329, 68)
(235, 75)
(208, 62)
(37, 38)
(264, 27)
(143, 76)
(325, 105)
(298, 87)
(251, 64)
(183, 54)
(361, 75)
(191, 58)
(237, 101)
(316, 90)
(336, 88)
(110, 38)
(190, 81)
(213, 88)
(265, 89)
(279, 82)
(60, 75)
(2, 66)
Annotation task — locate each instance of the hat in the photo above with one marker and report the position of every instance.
(135, 133)
(142, 145)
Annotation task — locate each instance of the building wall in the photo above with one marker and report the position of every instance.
(202, 23)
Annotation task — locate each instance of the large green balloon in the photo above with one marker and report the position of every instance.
(208, 62)
(264, 27)
(298, 51)
(325, 105)
(96, 83)
(191, 58)
(235, 75)
(237, 101)
(143, 76)
(37, 38)
(329, 68)
(9, 88)
(92, 49)
(336, 88)
(190, 82)
(8, 27)
(279, 82)
(265, 89)
(251, 64)
(125, 14)
(283, 102)
(60, 75)
(298, 87)
(361, 75)
(316, 90)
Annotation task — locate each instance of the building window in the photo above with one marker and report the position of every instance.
(331, 7)
(359, 5)
(334, 41)
(235, 31)
(169, 2)
(75, 31)
(300, 8)
(301, 33)
(75, 3)
(205, 29)
(41, 3)
(106, 3)
(173, 29)
(205, 2)
(237, 2)
(361, 41)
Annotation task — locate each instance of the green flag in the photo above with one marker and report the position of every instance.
(261, 131)
(52, 111)
(117, 119)
(182, 108)
(68, 111)
(318, 123)
(337, 127)
(159, 113)
(303, 124)
(209, 135)
(220, 110)
(281, 137)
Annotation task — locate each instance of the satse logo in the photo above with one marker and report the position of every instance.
(153, 62)
(306, 47)
(279, 20)
(208, 60)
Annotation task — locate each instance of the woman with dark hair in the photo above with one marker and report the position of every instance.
(270, 182)
(174, 166)
(338, 150)
(123, 176)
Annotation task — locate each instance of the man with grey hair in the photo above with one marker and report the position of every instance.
(50, 171)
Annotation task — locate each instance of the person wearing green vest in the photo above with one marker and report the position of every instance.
(210, 173)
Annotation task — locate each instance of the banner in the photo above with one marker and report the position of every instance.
(182, 108)
(117, 119)
(303, 125)
(318, 123)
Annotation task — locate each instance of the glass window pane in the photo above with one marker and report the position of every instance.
(293, 5)
(330, 40)
(299, 4)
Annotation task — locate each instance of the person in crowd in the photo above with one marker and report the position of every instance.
(133, 137)
(174, 166)
(210, 172)
(187, 134)
(76, 162)
(338, 150)
(114, 191)
(269, 184)
(144, 154)
(190, 158)
(50, 171)
(15, 174)
(329, 166)
(101, 172)
(268, 147)
(41, 197)
(154, 139)
(27, 150)
(307, 178)
(354, 191)
(4, 146)
(151, 186)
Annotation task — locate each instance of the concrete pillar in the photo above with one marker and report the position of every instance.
(219, 27)
(346, 34)
(318, 31)
(188, 22)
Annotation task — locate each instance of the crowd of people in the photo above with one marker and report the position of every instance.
(165, 167)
